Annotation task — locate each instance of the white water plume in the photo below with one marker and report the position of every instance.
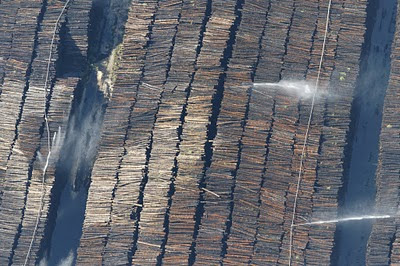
(300, 88)
(56, 144)
(346, 219)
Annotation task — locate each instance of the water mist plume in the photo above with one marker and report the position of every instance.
(346, 219)
(300, 88)
(56, 144)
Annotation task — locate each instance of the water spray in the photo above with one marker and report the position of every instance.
(346, 219)
(301, 87)
(304, 89)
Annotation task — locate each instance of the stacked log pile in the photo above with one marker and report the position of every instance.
(165, 137)
(344, 59)
(15, 159)
(16, 62)
(139, 142)
(116, 121)
(190, 160)
(21, 182)
(170, 117)
(308, 178)
(286, 109)
(158, 192)
(230, 123)
(250, 186)
(247, 197)
(8, 14)
(275, 141)
(58, 114)
(384, 242)
(309, 205)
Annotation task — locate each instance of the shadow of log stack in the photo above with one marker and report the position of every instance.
(384, 242)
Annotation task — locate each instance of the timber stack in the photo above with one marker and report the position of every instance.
(194, 165)
(24, 101)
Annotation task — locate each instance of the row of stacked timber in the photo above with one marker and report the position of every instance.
(322, 171)
(228, 144)
(24, 102)
(241, 196)
(167, 127)
(194, 164)
(8, 15)
(384, 242)
(343, 57)
(191, 157)
(38, 198)
(151, 228)
(134, 167)
(152, 199)
(282, 59)
(277, 137)
(310, 162)
(151, 231)
(16, 63)
(112, 148)
(22, 110)
(290, 119)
